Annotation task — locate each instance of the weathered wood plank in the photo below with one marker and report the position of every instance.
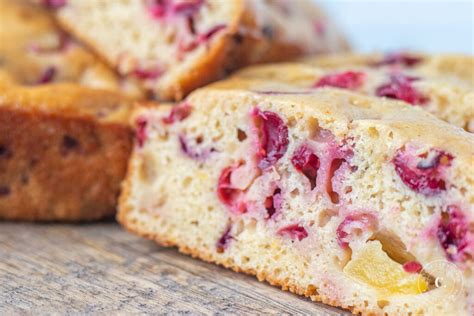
(100, 268)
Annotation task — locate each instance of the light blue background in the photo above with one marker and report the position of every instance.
(431, 26)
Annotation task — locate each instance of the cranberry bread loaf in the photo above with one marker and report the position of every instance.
(175, 46)
(351, 200)
(63, 151)
(437, 84)
(34, 51)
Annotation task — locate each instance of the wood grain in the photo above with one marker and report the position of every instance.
(99, 268)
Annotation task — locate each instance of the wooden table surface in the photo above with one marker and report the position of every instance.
(99, 268)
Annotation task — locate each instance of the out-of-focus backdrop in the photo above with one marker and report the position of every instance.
(387, 25)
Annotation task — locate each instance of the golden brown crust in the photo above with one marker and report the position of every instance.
(59, 168)
(63, 151)
(69, 100)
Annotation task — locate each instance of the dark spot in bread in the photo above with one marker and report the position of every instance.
(69, 143)
(190, 25)
(24, 179)
(5, 152)
(224, 240)
(238, 38)
(4, 190)
(47, 76)
(241, 135)
(33, 162)
(268, 32)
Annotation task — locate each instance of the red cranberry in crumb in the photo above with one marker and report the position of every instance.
(53, 3)
(206, 36)
(337, 166)
(400, 87)
(47, 76)
(232, 197)
(345, 80)
(334, 164)
(423, 173)
(149, 73)
(202, 38)
(224, 240)
(455, 235)
(273, 137)
(294, 231)
(162, 8)
(353, 224)
(325, 163)
(140, 131)
(320, 28)
(273, 203)
(402, 59)
(187, 8)
(158, 8)
(306, 162)
(184, 47)
(178, 113)
(412, 267)
(194, 151)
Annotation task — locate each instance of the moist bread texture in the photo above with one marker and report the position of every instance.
(176, 46)
(356, 201)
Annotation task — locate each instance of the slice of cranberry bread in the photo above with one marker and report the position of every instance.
(34, 50)
(355, 201)
(63, 151)
(175, 46)
(420, 81)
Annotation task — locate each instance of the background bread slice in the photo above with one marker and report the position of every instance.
(455, 65)
(174, 47)
(63, 151)
(439, 84)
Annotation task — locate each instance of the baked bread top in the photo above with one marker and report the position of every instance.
(347, 108)
(65, 99)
